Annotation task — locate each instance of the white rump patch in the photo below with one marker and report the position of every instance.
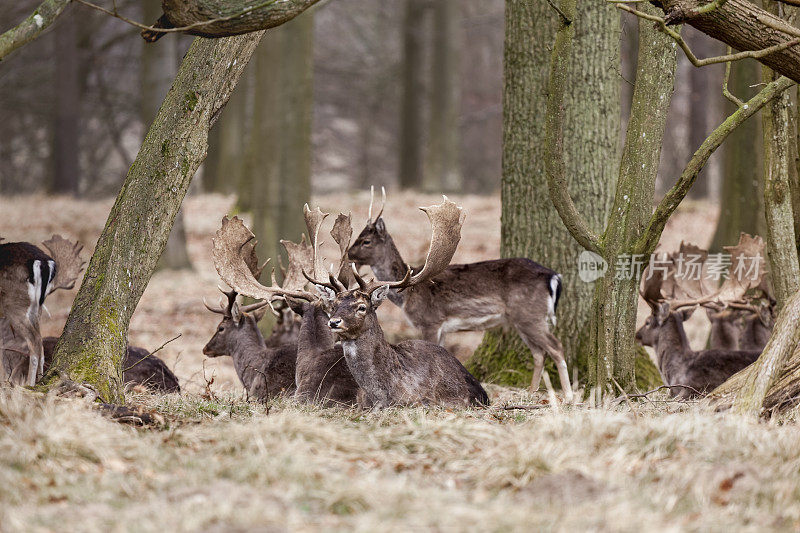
(551, 299)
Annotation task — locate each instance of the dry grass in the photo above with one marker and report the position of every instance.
(223, 465)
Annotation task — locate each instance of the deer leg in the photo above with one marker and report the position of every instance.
(556, 351)
(538, 367)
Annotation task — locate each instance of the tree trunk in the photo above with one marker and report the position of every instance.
(442, 172)
(741, 198)
(530, 224)
(159, 65)
(410, 151)
(66, 127)
(611, 343)
(781, 245)
(30, 28)
(91, 348)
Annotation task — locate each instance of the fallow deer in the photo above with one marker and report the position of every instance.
(27, 276)
(140, 367)
(685, 371)
(320, 372)
(412, 372)
(472, 297)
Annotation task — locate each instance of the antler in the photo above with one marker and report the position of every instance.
(69, 265)
(342, 232)
(735, 287)
(372, 200)
(446, 221)
(301, 257)
(229, 243)
(313, 224)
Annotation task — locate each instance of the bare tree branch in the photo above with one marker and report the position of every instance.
(30, 28)
(676, 194)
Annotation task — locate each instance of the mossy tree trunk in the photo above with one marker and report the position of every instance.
(778, 161)
(530, 225)
(90, 349)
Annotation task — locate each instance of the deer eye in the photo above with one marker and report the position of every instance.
(366, 242)
(221, 329)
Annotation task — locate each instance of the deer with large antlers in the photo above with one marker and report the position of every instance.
(672, 299)
(321, 373)
(27, 276)
(472, 297)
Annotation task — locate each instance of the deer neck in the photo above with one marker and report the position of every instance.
(672, 348)
(391, 267)
(373, 362)
(315, 336)
(248, 355)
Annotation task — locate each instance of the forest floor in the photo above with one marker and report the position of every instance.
(217, 463)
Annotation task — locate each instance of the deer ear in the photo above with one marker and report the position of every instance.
(380, 226)
(258, 314)
(379, 295)
(236, 314)
(326, 293)
(662, 313)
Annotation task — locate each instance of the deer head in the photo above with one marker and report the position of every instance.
(237, 320)
(367, 248)
(351, 308)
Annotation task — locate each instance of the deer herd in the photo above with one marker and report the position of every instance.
(328, 346)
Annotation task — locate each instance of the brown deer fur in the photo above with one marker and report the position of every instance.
(265, 372)
(473, 297)
(412, 372)
(680, 365)
(322, 373)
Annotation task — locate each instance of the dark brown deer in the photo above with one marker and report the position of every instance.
(321, 373)
(685, 371)
(139, 366)
(27, 276)
(412, 372)
(265, 372)
(472, 297)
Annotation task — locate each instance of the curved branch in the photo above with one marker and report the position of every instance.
(554, 136)
(649, 239)
(30, 28)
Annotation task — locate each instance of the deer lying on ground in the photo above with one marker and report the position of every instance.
(472, 297)
(139, 366)
(684, 370)
(264, 371)
(27, 276)
(412, 372)
(320, 371)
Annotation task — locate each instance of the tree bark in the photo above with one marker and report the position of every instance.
(410, 151)
(530, 223)
(66, 126)
(159, 66)
(742, 198)
(90, 349)
(30, 28)
(781, 244)
(442, 171)
(742, 25)
(244, 16)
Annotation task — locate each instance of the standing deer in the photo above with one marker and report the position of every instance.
(320, 371)
(472, 297)
(27, 276)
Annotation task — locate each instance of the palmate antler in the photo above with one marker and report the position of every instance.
(446, 220)
(342, 233)
(229, 244)
(67, 255)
